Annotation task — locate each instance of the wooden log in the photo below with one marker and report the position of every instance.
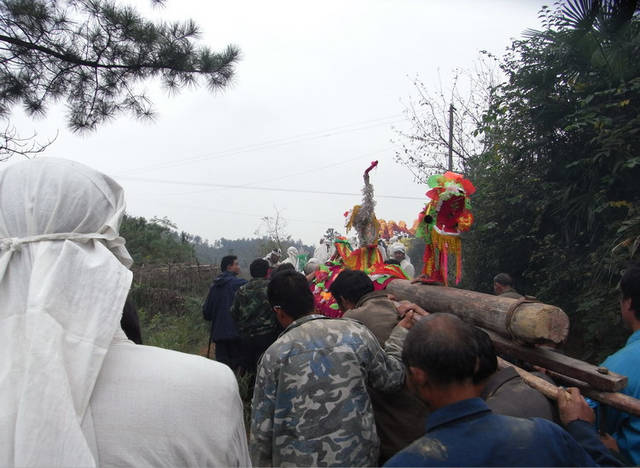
(598, 377)
(529, 322)
(619, 401)
(546, 388)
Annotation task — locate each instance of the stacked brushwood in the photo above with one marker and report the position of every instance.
(527, 330)
(163, 288)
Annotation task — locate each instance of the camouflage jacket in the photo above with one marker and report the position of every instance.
(310, 404)
(251, 310)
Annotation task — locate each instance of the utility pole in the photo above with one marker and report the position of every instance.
(451, 108)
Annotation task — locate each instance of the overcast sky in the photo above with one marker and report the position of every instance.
(313, 102)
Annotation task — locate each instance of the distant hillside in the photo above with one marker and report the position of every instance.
(158, 241)
(247, 250)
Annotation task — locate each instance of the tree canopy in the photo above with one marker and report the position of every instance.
(93, 55)
(557, 174)
(558, 185)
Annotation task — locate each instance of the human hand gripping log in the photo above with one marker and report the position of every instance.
(409, 314)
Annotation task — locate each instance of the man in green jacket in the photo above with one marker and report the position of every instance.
(256, 322)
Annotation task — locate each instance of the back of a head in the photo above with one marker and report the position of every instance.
(487, 359)
(59, 223)
(630, 287)
(47, 196)
(503, 279)
(443, 346)
(351, 285)
(226, 262)
(290, 291)
(259, 268)
(284, 267)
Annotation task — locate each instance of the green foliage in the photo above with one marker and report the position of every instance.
(155, 241)
(247, 250)
(184, 331)
(95, 55)
(557, 189)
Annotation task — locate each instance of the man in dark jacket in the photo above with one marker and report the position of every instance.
(503, 390)
(253, 316)
(217, 309)
(441, 355)
(503, 286)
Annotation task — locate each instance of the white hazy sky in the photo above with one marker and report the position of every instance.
(314, 98)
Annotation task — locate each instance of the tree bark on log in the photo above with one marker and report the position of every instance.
(528, 322)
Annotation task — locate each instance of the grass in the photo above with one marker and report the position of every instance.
(184, 331)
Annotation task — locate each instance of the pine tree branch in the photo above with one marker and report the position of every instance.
(76, 60)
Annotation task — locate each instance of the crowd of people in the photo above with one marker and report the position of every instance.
(389, 383)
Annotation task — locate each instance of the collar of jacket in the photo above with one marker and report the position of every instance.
(635, 336)
(497, 380)
(471, 407)
(371, 295)
(302, 320)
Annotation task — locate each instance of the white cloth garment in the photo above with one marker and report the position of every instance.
(292, 257)
(321, 252)
(159, 408)
(405, 263)
(408, 267)
(63, 283)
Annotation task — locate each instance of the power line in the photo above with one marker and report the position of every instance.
(318, 168)
(250, 215)
(265, 189)
(269, 144)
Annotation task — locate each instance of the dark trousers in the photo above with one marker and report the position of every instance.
(254, 347)
(230, 352)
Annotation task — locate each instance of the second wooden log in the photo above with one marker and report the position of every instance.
(528, 322)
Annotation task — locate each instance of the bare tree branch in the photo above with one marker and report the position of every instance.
(424, 147)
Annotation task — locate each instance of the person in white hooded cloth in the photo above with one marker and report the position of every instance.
(292, 257)
(73, 390)
(398, 252)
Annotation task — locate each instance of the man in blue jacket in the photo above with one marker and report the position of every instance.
(625, 428)
(217, 308)
(440, 354)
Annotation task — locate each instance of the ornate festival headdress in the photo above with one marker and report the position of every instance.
(441, 222)
(362, 218)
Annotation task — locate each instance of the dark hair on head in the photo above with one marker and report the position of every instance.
(290, 290)
(259, 268)
(503, 279)
(487, 360)
(226, 262)
(284, 267)
(630, 287)
(444, 347)
(351, 285)
(130, 322)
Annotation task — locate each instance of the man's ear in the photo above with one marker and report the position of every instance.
(418, 376)
(282, 317)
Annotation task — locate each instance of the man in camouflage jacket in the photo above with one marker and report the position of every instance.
(310, 405)
(256, 322)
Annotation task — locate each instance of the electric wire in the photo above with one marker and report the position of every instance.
(265, 189)
(270, 144)
(275, 179)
